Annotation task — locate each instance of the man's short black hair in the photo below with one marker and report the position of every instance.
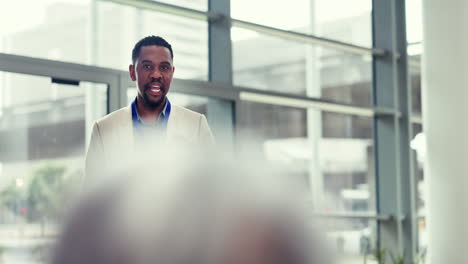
(150, 41)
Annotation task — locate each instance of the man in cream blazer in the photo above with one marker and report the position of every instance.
(150, 126)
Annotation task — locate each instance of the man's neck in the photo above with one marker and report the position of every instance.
(148, 113)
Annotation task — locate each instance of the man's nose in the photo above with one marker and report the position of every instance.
(156, 74)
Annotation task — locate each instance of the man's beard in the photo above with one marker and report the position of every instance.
(153, 104)
(150, 103)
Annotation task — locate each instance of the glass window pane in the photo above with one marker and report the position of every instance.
(415, 86)
(418, 146)
(120, 27)
(66, 31)
(414, 21)
(331, 154)
(414, 33)
(352, 241)
(194, 103)
(273, 64)
(351, 22)
(414, 38)
(50, 29)
(43, 137)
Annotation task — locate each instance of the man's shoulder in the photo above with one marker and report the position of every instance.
(184, 112)
(115, 117)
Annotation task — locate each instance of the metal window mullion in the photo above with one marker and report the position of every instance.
(307, 38)
(220, 112)
(168, 9)
(394, 181)
(408, 180)
(369, 216)
(57, 69)
(216, 90)
(288, 100)
(114, 94)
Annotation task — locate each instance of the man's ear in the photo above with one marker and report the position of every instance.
(131, 70)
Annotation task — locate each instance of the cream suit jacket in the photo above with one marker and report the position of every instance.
(112, 140)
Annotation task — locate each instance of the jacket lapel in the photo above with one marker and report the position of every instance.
(172, 123)
(180, 129)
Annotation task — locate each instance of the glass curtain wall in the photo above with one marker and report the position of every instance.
(101, 33)
(44, 127)
(330, 153)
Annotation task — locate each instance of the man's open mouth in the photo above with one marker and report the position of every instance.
(155, 88)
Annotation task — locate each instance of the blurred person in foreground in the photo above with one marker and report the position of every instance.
(216, 212)
(150, 121)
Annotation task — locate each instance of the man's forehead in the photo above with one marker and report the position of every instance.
(155, 53)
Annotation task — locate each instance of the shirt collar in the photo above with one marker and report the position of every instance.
(160, 116)
(163, 112)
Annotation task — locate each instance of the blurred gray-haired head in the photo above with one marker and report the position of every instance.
(202, 210)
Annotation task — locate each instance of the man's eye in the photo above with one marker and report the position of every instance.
(164, 68)
(147, 67)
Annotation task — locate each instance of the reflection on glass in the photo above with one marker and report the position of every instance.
(43, 129)
(273, 64)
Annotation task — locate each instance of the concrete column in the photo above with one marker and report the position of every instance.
(445, 112)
